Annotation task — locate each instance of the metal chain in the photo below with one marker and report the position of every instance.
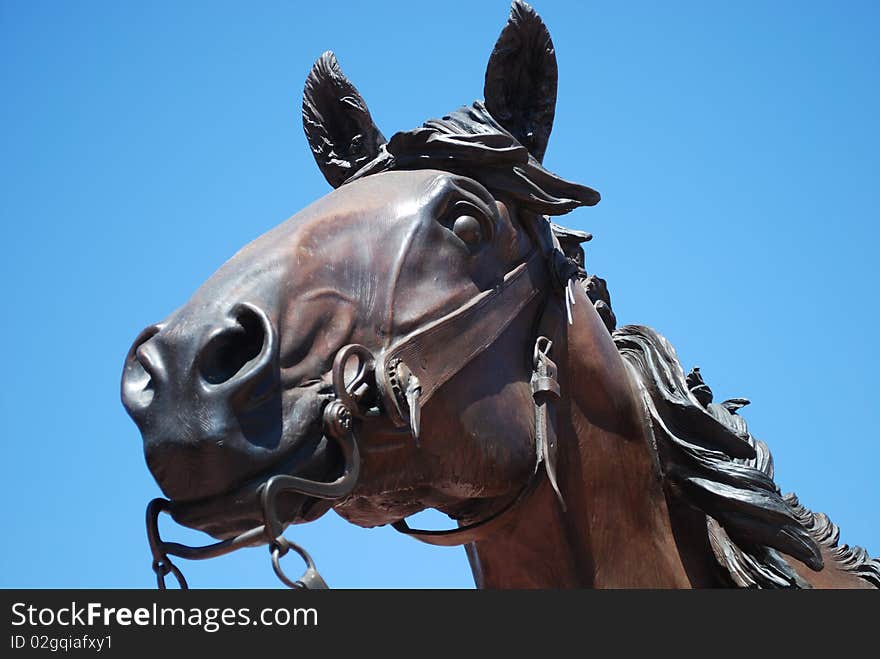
(162, 567)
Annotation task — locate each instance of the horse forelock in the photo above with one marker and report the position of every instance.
(470, 142)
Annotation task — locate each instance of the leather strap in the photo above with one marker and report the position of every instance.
(545, 389)
(441, 349)
(470, 532)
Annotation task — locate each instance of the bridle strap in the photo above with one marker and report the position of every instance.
(545, 389)
(442, 348)
(470, 532)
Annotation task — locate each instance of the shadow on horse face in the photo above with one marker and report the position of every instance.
(228, 391)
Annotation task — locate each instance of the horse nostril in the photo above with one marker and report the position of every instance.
(227, 354)
(138, 373)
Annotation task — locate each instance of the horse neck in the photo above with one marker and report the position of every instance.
(616, 530)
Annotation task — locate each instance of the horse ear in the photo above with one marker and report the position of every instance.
(520, 87)
(338, 125)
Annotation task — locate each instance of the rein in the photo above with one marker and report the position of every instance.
(398, 383)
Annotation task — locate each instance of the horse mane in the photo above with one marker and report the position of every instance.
(851, 559)
(712, 462)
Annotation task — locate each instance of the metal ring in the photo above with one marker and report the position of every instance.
(310, 580)
(348, 393)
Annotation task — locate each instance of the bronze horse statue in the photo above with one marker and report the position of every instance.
(425, 337)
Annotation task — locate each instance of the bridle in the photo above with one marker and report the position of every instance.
(397, 383)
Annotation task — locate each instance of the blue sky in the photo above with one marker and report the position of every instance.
(735, 146)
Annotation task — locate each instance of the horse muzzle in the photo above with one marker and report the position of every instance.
(208, 401)
(274, 497)
(269, 493)
(238, 479)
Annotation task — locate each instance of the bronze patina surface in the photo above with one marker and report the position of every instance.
(425, 337)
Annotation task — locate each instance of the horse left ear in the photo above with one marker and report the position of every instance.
(338, 125)
(521, 77)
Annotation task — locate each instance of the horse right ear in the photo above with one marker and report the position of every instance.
(338, 125)
(520, 87)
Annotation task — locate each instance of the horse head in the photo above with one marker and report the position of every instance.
(424, 337)
(231, 388)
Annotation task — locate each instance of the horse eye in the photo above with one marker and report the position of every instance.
(467, 227)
